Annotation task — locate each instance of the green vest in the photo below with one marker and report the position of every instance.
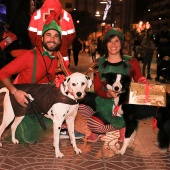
(105, 106)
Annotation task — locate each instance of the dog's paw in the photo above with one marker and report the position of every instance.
(77, 151)
(164, 150)
(59, 155)
(15, 141)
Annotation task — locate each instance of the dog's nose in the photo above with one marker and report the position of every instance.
(78, 94)
(116, 88)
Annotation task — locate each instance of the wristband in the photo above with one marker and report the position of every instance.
(15, 92)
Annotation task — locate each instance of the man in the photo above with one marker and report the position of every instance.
(35, 66)
(52, 8)
(47, 62)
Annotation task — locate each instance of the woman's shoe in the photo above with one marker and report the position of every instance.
(93, 137)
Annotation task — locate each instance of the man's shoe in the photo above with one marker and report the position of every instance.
(78, 135)
(64, 134)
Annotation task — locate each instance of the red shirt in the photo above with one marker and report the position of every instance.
(23, 66)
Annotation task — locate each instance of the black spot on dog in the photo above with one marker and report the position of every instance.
(88, 78)
(59, 128)
(68, 80)
(64, 114)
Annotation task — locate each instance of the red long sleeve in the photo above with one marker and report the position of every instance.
(135, 70)
(98, 86)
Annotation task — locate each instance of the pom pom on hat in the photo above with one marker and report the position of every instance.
(51, 26)
(114, 31)
(52, 21)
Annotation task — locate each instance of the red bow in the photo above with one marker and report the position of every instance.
(59, 79)
(142, 80)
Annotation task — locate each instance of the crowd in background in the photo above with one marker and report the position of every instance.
(17, 22)
(144, 46)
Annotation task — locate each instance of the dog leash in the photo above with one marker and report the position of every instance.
(37, 109)
(37, 112)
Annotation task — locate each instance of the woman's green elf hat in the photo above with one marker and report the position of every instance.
(114, 31)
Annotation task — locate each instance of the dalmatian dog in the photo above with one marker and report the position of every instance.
(58, 104)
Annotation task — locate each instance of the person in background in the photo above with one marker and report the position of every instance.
(2, 11)
(6, 39)
(163, 68)
(53, 8)
(93, 48)
(76, 47)
(100, 45)
(69, 53)
(84, 46)
(32, 7)
(148, 46)
(19, 24)
(48, 60)
(162, 40)
(97, 107)
(128, 43)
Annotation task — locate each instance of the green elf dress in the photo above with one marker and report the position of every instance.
(105, 106)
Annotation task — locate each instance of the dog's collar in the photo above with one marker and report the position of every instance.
(69, 92)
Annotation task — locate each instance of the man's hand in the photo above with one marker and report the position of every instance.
(20, 96)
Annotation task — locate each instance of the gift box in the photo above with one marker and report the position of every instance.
(147, 94)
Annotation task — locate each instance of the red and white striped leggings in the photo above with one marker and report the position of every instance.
(94, 125)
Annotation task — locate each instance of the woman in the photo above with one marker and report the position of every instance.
(113, 61)
(148, 46)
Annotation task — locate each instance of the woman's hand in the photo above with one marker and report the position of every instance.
(20, 96)
(112, 94)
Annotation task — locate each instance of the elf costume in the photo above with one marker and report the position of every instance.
(102, 120)
(35, 66)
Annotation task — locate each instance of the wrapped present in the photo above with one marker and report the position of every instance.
(147, 94)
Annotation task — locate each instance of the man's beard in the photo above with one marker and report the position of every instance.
(56, 48)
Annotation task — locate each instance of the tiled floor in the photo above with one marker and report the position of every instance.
(143, 155)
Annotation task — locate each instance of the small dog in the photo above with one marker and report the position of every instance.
(133, 113)
(118, 83)
(56, 104)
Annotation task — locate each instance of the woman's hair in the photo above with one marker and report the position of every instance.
(108, 39)
(148, 35)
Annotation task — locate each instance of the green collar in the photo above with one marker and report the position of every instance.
(45, 53)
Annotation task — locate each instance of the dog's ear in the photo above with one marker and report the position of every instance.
(109, 87)
(128, 80)
(109, 77)
(65, 83)
(89, 81)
